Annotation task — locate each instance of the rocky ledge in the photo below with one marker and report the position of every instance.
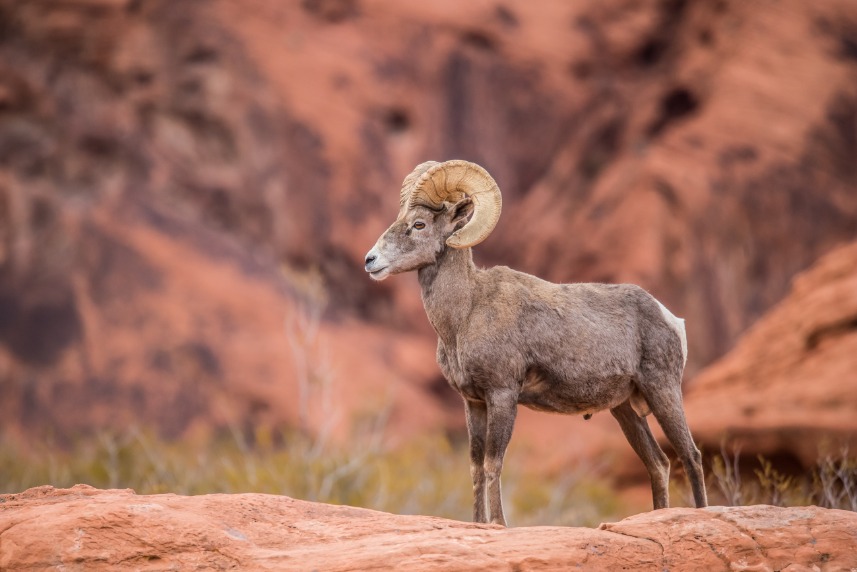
(86, 528)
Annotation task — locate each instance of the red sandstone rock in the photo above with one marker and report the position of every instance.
(90, 529)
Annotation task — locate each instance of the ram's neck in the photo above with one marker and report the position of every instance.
(447, 290)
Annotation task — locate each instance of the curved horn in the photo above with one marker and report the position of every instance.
(452, 181)
(410, 181)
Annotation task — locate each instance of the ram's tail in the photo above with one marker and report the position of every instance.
(677, 324)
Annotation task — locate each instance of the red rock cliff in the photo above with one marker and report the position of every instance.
(160, 162)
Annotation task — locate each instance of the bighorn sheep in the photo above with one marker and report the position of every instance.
(507, 338)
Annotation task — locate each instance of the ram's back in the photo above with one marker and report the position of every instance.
(576, 327)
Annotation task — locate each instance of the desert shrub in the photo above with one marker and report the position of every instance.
(428, 475)
(835, 482)
(832, 483)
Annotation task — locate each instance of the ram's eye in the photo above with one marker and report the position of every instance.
(419, 225)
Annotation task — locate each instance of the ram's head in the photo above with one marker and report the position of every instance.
(451, 204)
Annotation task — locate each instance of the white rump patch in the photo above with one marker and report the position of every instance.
(677, 324)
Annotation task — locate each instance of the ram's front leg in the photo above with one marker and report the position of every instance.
(502, 410)
(477, 423)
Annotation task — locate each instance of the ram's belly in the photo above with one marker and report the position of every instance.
(544, 392)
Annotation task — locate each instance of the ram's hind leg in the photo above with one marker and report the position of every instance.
(636, 430)
(667, 409)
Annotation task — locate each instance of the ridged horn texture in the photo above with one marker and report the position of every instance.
(432, 183)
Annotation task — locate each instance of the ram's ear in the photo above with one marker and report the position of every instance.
(460, 212)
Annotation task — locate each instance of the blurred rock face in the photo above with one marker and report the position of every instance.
(787, 390)
(160, 162)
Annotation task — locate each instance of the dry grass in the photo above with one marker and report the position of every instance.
(832, 483)
(427, 476)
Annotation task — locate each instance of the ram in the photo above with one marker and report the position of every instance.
(507, 338)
